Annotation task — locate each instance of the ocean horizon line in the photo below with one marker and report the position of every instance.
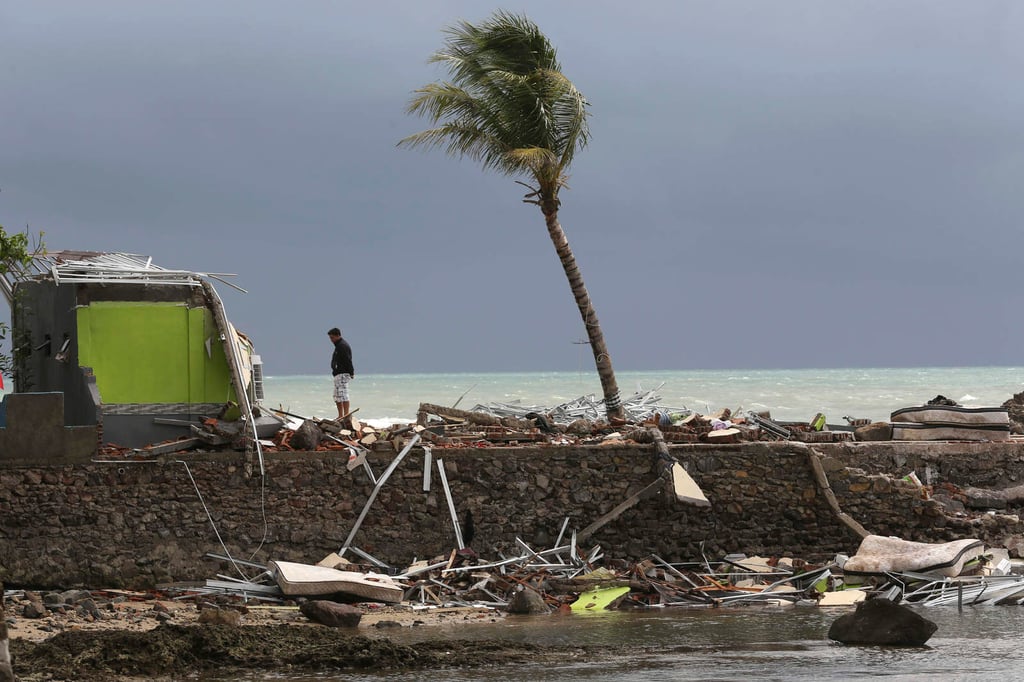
(786, 393)
(278, 375)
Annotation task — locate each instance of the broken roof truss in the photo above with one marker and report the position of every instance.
(94, 267)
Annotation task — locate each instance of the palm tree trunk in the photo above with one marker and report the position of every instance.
(613, 404)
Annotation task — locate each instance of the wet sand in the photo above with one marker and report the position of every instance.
(161, 639)
(142, 616)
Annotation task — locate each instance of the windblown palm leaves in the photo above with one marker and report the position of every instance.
(509, 106)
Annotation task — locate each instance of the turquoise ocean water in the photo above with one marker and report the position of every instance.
(790, 395)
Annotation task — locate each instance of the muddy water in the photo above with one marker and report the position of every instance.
(754, 643)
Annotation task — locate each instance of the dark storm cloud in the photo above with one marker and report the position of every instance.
(769, 184)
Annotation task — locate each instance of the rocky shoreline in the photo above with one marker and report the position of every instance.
(126, 636)
(173, 651)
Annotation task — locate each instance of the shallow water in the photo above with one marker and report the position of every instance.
(981, 643)
(788, 643)
(787, 394)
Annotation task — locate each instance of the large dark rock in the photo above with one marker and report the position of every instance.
(331, 613)
(87, 607)
(75, 596)
(307, 436)
(53, 599)
(874, 432)
(33, 609)
(880, 621)
(527, 601)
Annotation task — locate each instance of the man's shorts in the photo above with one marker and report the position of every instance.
(341, 387)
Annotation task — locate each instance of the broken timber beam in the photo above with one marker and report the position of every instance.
(167, 448)
(684, 487)
(227, 337)
(821, 479)
(615, 513)
(209, 437)
(478, 418)
(982, 498)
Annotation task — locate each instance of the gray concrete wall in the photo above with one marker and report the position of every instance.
(35, 434)
(136, 524)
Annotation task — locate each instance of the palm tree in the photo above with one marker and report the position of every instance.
(510, 107)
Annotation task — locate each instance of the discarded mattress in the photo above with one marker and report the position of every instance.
(950, 422)
(950, 414)
(878, 555)
(941, 431)
(305, 580)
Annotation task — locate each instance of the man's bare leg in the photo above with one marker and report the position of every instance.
(6, 672)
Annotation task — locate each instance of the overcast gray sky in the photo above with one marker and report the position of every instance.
(769, 185)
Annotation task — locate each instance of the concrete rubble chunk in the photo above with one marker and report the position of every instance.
(307, 436)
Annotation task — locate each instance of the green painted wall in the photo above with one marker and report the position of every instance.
(153, 353)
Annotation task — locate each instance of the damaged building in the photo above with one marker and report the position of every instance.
(138, 352)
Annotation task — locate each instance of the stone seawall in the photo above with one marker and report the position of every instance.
(138, 524)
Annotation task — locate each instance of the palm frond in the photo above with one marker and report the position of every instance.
(466, 141)
(507, 104)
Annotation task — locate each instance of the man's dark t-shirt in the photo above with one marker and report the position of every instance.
(341, 361)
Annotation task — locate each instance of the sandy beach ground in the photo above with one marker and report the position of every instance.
(118, 637)
(143, 615)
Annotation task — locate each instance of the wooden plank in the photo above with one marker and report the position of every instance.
(426, 468)
(356, 456)
(167, 421)
(166, 448)
(208, 437)
(615, 513)
(730, 435)
(478, 418)
(686, 489)
(842, 598)
(243, 587)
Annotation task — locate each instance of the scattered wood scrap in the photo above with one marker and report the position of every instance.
(565, 574)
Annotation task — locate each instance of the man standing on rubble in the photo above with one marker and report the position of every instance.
(341, 368)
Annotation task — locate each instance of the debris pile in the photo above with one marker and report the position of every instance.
(962, 572)
(567, 577)
(561, 575)
(639, 408)
(581, 421)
